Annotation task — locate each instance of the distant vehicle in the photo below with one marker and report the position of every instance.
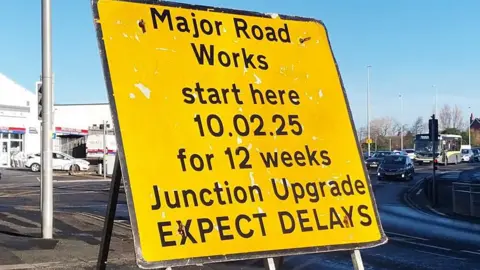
(376, 158)
(468, 155)
(447, 149)
(400, 152)
(396, 167)
(410, 153)
(61, 161)
(476, 154)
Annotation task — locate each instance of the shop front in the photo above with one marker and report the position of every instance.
(12, 141)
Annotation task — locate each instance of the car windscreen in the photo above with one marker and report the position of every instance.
(465, 151)
(410, 151)
(400, 160)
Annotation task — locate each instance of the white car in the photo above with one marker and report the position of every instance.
(60, 162)
(410, 153)
(467, 155)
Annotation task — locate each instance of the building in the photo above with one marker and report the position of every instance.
(20, 127)
(475, 130)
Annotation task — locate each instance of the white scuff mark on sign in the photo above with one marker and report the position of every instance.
(175, 37)
(125, 35)
(257, 79)
(245, 70)
(249, 146)
(310, 97)
(119, 22)
(348, 161)
(137, 38)
(195, 95)
(296, 79)
(239, 140)
(320, 93)
(286, 182)
(216, 227)
(308, 75)
(210, 146)
(240, 109)
(318, 41)
(145, 91)
(257, 149)
(135, 69)
(275, 150)
(260, 210)
(132, 95)
(110, 38)
(165, 49)
(224, 29)
(314, 138)
(163, 214)
(252, 179)
(272, 15)
(330, 183)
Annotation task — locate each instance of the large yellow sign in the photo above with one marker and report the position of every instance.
(235, 134)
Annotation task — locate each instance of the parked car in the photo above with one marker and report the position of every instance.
(396, 167)
(60, 161)
(376, 158)
(467, 155)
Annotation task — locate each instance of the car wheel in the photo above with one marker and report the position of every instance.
(35, 167)
(74, 168)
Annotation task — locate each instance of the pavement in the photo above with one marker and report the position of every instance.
(419, 237)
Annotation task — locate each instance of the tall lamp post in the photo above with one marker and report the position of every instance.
(401, 121)
(469, 126)
(368, 109)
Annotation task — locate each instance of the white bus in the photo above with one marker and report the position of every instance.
(447, 149)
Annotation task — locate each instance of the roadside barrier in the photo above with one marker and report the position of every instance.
(466, 199)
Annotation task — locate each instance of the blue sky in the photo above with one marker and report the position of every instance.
(410, 44)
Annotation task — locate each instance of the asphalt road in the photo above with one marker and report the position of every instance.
(418, 239)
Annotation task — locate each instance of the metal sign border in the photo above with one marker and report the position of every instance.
(123, 163)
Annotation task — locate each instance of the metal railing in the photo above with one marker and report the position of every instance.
(466, 199)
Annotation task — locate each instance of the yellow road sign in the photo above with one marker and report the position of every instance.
(235, 135)
(369, 140)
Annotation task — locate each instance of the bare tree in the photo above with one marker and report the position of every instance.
(382, 126)
(418, 126)
(445, 117)
(362, 133)
(457, 118)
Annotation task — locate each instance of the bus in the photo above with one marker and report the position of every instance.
(447, 149)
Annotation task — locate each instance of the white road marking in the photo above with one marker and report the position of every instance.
(419, 191)
(472, 252)
(420, 244)
(441, 255)
(435, 211)
(81, 181)
(408, 236)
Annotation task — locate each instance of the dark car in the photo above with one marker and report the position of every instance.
(476, 154)
(376, 158)
(396, 167)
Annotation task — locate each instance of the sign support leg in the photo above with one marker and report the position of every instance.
(273, 263)
(357, 259)
(109, 216)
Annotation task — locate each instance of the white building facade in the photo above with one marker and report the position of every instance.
(20, 128)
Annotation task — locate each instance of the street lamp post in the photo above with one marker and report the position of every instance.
(469, 126)
(401, 121)
(368, 109)
(436, 99)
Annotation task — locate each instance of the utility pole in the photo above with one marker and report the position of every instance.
(368, 109)
(469, 125)
(401, 122)
(390, 144)
(436, 99)
(105, 152)
(47, 123)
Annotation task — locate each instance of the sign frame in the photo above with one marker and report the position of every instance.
(124, 168)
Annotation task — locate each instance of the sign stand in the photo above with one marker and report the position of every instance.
(109, 216)
(269, 263)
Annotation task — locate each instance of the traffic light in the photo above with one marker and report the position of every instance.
(433, 129)
(40, 100)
